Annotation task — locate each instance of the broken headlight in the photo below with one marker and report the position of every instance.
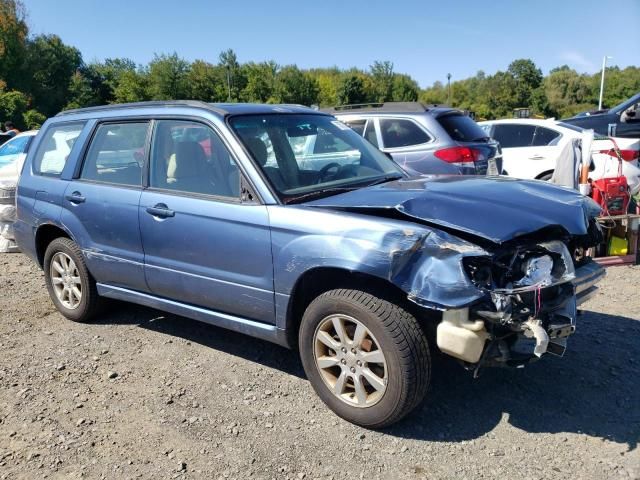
(525, 269)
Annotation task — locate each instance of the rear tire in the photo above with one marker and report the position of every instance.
(71, 287)
(366, 358)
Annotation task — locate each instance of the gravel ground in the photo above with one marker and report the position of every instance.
(142, 394)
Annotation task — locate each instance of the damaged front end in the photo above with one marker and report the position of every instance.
(502, 259)
(532, 291)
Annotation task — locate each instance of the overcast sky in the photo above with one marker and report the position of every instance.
(424, 39)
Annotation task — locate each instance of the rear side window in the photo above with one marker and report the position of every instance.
(398, 132)
(514, 136)
(544, 137)
(461, 128)
(55, 148)
(116, 154)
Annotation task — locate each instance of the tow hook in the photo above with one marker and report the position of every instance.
(533, 328)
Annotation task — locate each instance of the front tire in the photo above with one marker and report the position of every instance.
(366, 358)
(71, 287)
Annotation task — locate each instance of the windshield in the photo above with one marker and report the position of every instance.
(309, 154)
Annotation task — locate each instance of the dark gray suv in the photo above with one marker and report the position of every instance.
(428, 139)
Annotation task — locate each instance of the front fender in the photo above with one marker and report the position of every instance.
(425, 263)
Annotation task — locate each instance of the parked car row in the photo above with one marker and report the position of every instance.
(423, 138)
(283, 223)
(531, 149)
(12, 154)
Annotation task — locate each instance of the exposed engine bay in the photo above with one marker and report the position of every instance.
(530, 307)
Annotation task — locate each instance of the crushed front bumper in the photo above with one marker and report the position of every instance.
(513, 337)
(586, 279)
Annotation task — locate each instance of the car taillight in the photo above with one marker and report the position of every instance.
(459, 155)
(627, 155)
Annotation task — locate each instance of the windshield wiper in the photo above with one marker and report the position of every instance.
(385, 179)
(335, 190)
(320, 193)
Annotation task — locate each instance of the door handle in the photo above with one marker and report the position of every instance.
(75, 198)
(160, 210)
(536, 157)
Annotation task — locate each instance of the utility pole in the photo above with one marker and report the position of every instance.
(604, 66)
(449, 89)
(229, 81)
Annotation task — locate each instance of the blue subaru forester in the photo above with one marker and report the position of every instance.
(282, 223)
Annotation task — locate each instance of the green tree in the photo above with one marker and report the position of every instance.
(235, 81)
(13, 105)
(295, 86)
(434, 95)
(527, 78)
(404, 88)
(13, 38)
(168, 77)
(80, 92)
(382, 73)
(206, 82)
(565, 92)
(351, 90)
(50, 65)
(104, 77)
(260, 81)
(132, 87)
(33, 119)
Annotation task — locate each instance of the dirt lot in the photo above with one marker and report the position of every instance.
(141, 394)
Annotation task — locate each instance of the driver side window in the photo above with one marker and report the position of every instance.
(190, 157)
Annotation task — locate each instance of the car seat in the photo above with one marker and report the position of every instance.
(187, 169)
(259, 151)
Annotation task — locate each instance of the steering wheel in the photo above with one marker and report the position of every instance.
(324, 171)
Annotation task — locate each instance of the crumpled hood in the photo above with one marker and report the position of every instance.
(495, 208)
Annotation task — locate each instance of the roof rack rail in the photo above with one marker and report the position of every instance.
(385, 107)
(163, 103)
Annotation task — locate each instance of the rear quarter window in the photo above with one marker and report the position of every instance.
(55, 147)
(397, 132)
(461, 128)
(544, 137)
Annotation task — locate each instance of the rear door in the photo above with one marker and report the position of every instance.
(525, 153)
(100, 204)
(203, 245)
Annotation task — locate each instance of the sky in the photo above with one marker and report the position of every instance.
(423, 38)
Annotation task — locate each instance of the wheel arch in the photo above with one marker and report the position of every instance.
(319, 280)
(45, 234)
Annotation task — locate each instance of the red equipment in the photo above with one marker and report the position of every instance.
(612, 193)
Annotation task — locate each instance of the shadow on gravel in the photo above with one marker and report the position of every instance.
(594, 390)
(243, 346)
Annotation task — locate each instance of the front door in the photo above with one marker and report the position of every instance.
(203, 245)
(101, 205)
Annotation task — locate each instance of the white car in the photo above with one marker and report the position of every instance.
(12, 154)
(530, 149)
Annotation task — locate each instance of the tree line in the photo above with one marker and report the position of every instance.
(41, 75)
